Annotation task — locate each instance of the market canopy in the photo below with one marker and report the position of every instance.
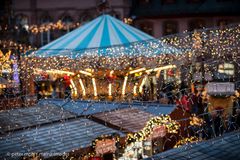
(104, 36)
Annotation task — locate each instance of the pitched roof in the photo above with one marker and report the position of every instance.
(100, 36)
(22, 118)
(223, 147)
(80, 107)
(127, 119)
(62, 137)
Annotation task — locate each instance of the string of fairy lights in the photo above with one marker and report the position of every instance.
(14, 46)
(217, 45)
(184, 49)
(163, 120)
(59, 25)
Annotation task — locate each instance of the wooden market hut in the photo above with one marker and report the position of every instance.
(48, 132)
(133, 119)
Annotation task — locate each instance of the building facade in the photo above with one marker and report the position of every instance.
(39, 12)
(164, 17)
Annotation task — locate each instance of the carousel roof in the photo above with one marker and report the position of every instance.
(103, 36)
(101, 32)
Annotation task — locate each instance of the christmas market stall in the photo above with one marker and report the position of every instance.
(61, 135)
(104, 59)
(220, 97)
(9, 80)
(146, 133)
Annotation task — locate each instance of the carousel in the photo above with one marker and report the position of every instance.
(104, 59)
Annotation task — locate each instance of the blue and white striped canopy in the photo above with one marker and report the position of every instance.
(103, 36)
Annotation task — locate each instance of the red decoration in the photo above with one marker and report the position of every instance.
(66, 78)
(170, 72)
(111, 78)
(185, 103)
(159, 131)
(219, 108)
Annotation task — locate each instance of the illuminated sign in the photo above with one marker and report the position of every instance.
(159, 131)
(105, 146)
(223, 88)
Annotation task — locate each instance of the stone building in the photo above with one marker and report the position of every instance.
(165, 17)
(38, 12)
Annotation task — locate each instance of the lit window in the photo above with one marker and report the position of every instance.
(21, 20)
(226, 68)
(46, 36)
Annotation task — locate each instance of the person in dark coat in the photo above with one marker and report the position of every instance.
(194, 102)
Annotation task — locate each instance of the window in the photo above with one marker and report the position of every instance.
(46, 36)
(168, 1)
(102, 5)
(22, 24)
(115, 14)
(67, 20)
(226, 68)
(196, 24)
(147, 27)
(85, 17)
(170, 27)
(21, 20)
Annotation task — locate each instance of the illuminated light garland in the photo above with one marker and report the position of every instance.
(110, 84)
(161, 68)
(137, 70)
(86, 73)
(82, 86)
(5, 62)
(2, 86)
(142, 84)
(135, 90)
(196, 121)
(53, 71)
(59, 25)
(74, 89)
(94, 87)
(186, 141)
(128, 21)
(172, 126)
(124, 85)
(110, 89)
(14, 46)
